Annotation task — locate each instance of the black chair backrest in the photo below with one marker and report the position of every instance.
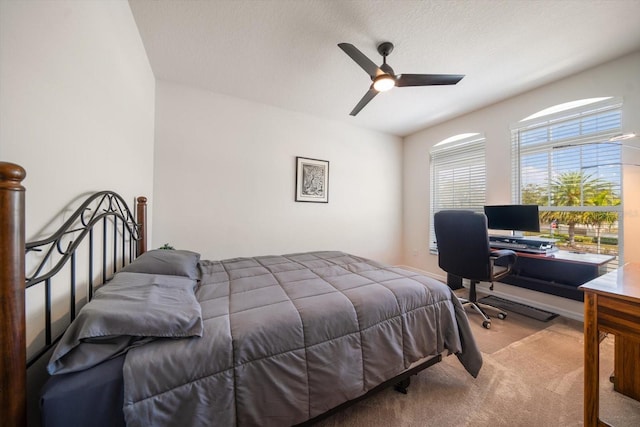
(463, 244)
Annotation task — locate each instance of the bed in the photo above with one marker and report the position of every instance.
(168, 338)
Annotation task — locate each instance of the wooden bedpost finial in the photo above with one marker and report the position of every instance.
(11, 175)
(13, 358)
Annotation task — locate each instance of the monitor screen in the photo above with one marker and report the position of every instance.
(513, 217)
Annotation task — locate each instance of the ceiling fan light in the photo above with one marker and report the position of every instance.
(384, 82)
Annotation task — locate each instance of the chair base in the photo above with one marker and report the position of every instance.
(478, 306)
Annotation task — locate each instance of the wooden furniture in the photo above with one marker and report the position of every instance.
(557, 273)
(13, 378)
(612, 305)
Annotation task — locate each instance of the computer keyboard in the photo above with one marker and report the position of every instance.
(519, 244)
(521, 247)
(508, 245)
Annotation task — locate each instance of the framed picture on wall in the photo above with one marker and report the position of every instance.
(312, 180)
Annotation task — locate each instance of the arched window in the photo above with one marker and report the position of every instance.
(458, 176)
(566, 160)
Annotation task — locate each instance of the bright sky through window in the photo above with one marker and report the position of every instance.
(456, 138)
(563, 107)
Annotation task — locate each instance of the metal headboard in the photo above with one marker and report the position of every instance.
(105, 210)
(120, 237)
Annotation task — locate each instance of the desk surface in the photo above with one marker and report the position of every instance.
(623, 283)
(568, 256)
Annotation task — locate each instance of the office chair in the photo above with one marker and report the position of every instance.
(464, 252)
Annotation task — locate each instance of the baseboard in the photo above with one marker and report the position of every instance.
(564, 307)
(425, 273)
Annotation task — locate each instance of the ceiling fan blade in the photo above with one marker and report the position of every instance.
(428, 79)
(364, 101)
(367, 65)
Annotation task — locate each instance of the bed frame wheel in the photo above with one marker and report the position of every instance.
(486, 324)
(502, 315)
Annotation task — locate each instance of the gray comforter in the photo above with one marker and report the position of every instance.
(287, 338)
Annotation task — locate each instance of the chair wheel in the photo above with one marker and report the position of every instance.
(502, 316)
(486, 324)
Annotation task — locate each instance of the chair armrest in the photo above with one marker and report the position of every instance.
(504, 257)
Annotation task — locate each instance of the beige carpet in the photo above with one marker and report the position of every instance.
(532, 376)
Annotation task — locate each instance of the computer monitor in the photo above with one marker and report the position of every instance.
(515, 218)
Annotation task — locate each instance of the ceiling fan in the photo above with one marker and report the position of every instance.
(384, 78)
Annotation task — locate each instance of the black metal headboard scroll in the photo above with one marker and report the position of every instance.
(105, 220)
(119, 239)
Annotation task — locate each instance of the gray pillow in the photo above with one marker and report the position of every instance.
(130, 310)
(169, 262)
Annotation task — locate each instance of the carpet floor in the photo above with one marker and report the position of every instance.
(532, 376)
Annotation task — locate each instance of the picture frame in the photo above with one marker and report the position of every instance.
(312, 180)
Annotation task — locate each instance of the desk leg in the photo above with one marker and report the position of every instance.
(591, 360)
(454, 282)
(627, 371)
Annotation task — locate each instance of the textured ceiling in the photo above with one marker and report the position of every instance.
(285, 54)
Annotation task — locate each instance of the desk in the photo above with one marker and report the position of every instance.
(611, 304)
(557, 273)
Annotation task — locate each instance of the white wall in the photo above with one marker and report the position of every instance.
(225, 178)
(76, 102)
(617, 78)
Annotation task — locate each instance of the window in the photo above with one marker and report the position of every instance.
(458, 176)
(568, 164)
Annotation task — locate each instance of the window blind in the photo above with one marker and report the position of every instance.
(458, 178)
(560, 149)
